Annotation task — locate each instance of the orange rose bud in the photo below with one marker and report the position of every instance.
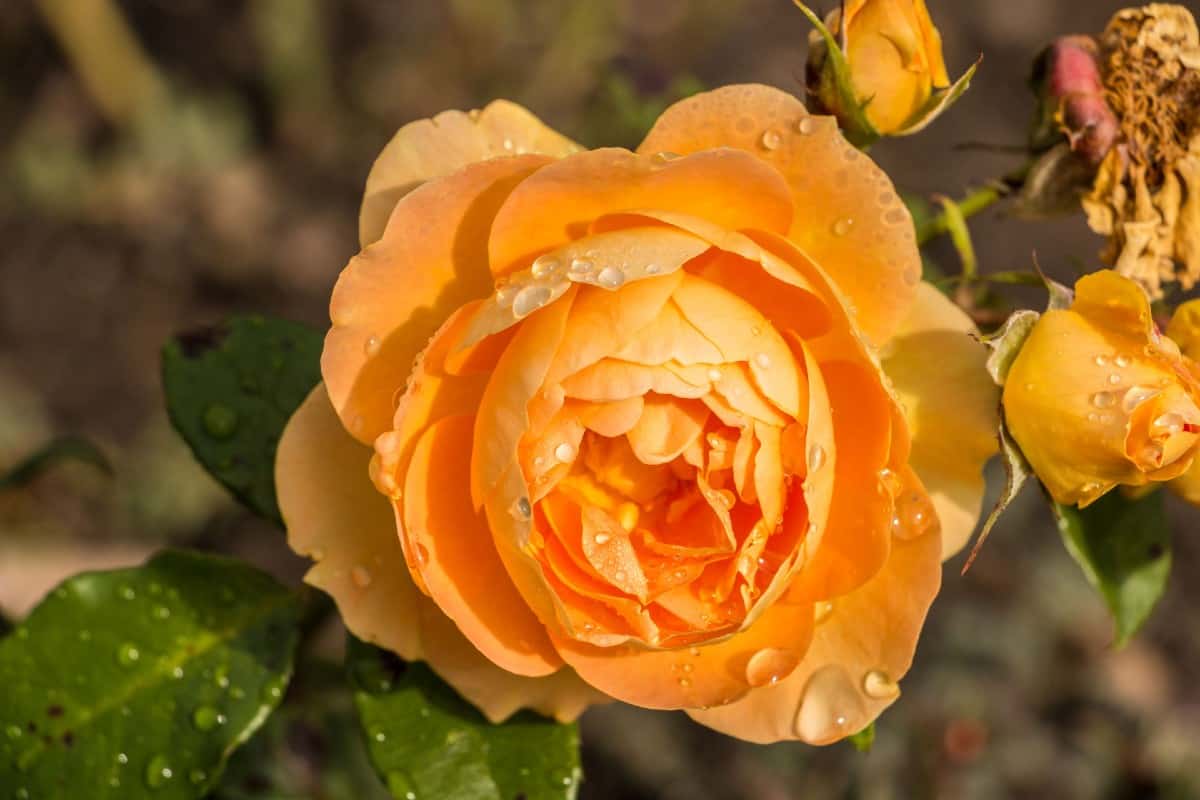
(610, 424)
(885, 74)
(1097, 397)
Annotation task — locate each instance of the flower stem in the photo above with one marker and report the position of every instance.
(976, 201)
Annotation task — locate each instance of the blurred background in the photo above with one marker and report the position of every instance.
(164, 163)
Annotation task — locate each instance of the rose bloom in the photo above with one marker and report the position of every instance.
(1098, 397)
(894, 54)
(675, 426)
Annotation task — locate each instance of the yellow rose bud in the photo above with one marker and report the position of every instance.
(1098, 397)
(895, 64)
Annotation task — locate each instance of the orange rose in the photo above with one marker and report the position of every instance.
(649, 452)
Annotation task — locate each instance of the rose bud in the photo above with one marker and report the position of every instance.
(1067, 79)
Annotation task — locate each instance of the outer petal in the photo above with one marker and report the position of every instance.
(724, 186)
(691, 677)
(859, 650)
(431, 148)
(848, 216)
(335, 516)
(395, 294)
(459, 565)
(951, 404)
(1184, 329)
(494, 691)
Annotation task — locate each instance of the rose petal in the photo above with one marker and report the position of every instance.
(849, 217)
(431, 148)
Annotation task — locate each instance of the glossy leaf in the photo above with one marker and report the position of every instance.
(1124, 547)
(426, 741)
(230, 391)
(139, 683)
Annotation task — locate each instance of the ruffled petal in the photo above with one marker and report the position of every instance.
(863, 644)
(334, 516)
(848, 216)
(394, 295)
(431, 148)
(952, 406)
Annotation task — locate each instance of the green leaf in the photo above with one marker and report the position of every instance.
(1017, 471)
(139, 683)
(231, 390)
(939, 102)
(64, 448)
(1124, 547)
(864, 740)
(426, 741)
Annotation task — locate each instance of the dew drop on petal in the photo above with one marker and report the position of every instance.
(762, 360)
(770, 665)
(1114, 379)
(828, 706)
(714, 374)
(821, 610)
(816, 457)
(805, 126)
(1121, 361)
(564, 452)
(1103, 399)
(842, 226)
(544, 266)
(1101, 360)
(371, 346)
(1135, 396)
(770, 140)
(530, 299)
(878, 685)
(1170, 422)
(610, 278)
(580, 267)
(521, 509)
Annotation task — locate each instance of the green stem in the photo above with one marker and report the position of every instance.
(976, 201)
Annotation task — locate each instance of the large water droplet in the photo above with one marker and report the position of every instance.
(564, 452)
(1135, 396)
(580, 267)
(771, 139)
(530, 299)
(829, 706)
(544, 266)
(205, 718)
(769, 666)
(610, 278)
(220, 421)
(816, 457)
(128, 655)
(158, 772)
(878, 685)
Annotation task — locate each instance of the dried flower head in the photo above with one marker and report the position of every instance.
(1146, 196)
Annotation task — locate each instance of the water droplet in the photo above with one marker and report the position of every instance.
(878, 685)
(361, 576)
(220, 421)
(1114, 379)
(664, 157)
(842, 226)
(128, 655)
(1103, 399)
(762, 360)
(1136, 396)
(122, 758)
(771, 139)
(602, 538)
(805, 126)
(610, 278)
(653, 269)
(1122, 361)
(816, 457)
(821, 610)
(544, 266)
(522, 510)
(530, 299)
(372, 346)
(158, 772)
(769, 666)
(177, 673)
(205, 718)
(828, 706)
(505, 293)
(1170, 422)
(685, 682)
(714, 374)
(896, 216)
(564, 452)
(509, 145)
